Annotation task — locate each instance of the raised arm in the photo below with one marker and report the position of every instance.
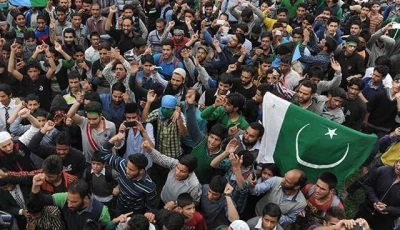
(74, 108)
(158, 158)
(11, 63)
(230, 148)
(194, 131)
(107, 25)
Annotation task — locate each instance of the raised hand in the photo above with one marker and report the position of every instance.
(146, 146)
(232, 146)
(57, 46)
(38, 179)
(335, 65)
(228, 189)
(220, 100)
(151, 96)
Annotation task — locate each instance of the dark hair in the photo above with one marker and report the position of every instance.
(297, 31)
(383, 60)
(79, 187)
(331, 44)
(138, 42)
(329, 178)
(118, 86)
(335, 212)
(147, 58)
(366, 5)
(259, 127)
(190, 11)
(94, 107)
(208, 4)
(333, 19)
(248, 158)
(266, 34)
(219, 130)
(32, 97)
(69, 31)
(39, 112)
(272, 210)
(356, 22)
(337, 92)
(29, 34)
(226, 78)
(158, 89)
(131, 108)
(74, 74)
(236, 99)
(34, 207)
(104, 45)
(224, 14)
(62, 138)
(92, 96)
(94, 34)
(160, 20)
(91, 225)
(302, 5)
(79, 49)
(287, 59)
(244, 26)
(76, 14)
(184, 199)
(168, 42)
(281, 10)
(356, 81)
(33, 64)
(241, 38)
(138, 222)
(217, 184)
(6, 89)
(309, 84)
(61, 9)
(96, 157)
(315, 71)
(52, 165)
(309, 18)
(264, 88)
(139, 160)
(249, 69)
(173, 221)
(382, 69)
(272, 167)
(41, 16)
(128, 7)
(189, 161)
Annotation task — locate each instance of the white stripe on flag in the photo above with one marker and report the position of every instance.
(274, 110)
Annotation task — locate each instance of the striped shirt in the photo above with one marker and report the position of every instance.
(154, 39)
(136, 195)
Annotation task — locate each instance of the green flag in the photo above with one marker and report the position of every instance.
(297, 138)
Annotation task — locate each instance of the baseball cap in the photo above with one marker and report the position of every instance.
(168, 101)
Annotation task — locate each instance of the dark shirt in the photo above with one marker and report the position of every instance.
(123, 41)
(40, 87)
(354, 112)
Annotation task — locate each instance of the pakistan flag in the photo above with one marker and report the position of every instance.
(297, 138)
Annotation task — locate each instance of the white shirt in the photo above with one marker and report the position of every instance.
(259, 225)
(91, 54)
(3, 121)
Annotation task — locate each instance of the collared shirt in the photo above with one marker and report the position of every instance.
(259, 225)
(174, 187)
(101, 199)
(11, 109)
(117, 111)
(80, 34)
(92, 140)
(135, 194)
(91, 54)
(168, 135)
(59, 28)
(256, 146)
(111, 79)
(369, 91)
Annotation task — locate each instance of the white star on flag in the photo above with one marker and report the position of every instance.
(331, 132)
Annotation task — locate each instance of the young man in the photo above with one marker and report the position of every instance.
(237, 168)
(57, 26)
(227, 111)
(290, 78)
(72, 159)
(330, 30)
(7, 106)
(79, 28)
(96, 23)
(245, 85)
(167, 60)
(374, 84)
(137, 190)
(305, 97)
(181, 177)
(269, 219)
(95, 129)
(206, 148)
(155, 37)
(92, 53)
(224, 85)
(114, 103)
(354, 108)
(32, 82)
(216, 203)
(320, 196)
(82, 66)
(332, 108)
(76, 198)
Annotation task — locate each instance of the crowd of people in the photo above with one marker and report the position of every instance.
(148, 114)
